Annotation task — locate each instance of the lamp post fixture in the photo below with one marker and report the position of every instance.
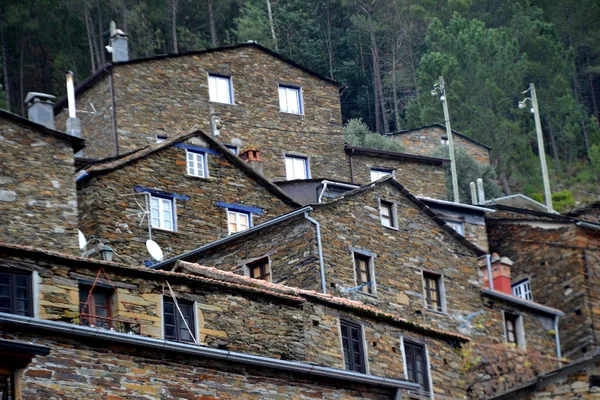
(107, 253)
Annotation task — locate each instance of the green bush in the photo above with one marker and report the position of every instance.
(357, 133)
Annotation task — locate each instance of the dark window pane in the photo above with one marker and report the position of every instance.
(15, 293)
(4, 279)
(22, 281)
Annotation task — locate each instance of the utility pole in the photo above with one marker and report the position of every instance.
(444, 100)
(541, 147)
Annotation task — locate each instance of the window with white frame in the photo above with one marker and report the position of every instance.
(416, 364)
(238, 221)
(444, 140)
(387, 212)
(290, 99)
(163, 213)
(457, 226)
(296, 167)
(160, 138)
(522, 290)
(220, 89)
(513, 329)
(378, 173)
(196, 164)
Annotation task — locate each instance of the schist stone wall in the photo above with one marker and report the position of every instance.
(426, 141)
(562, 264)
(108, 208)
(240, 316)
(169, 95)
(38, 201)
(420, 178)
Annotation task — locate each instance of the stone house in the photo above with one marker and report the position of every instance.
(291, 114)
(427, 140)
(183, 192)
(557, 263)
(99, 329)
(38, 200)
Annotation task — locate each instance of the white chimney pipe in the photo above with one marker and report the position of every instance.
(480, 191)
(71, 95)
(473, 193)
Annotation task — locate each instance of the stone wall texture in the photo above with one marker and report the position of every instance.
(109, 210)
(420, 178)
(426, 141)
(169, 95)
(562, 264)
(38, 202)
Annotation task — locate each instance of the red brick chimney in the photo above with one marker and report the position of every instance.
(252, 157)
(501, 267)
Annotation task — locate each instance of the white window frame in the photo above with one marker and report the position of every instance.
(161, 224)
(380, 173)
(522, 290)
(160, 138)
(237, 215)
(283, 92)
(196, 157)
(214, 80)
(292, 159)
(519, 329)
(427, 360)
(393, 216)
(444, 140)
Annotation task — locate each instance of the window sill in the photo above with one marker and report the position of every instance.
(371, 295)
(393, 228)
(291, 113)
(437, 312)
(220, 102)
(210, 178)
(160, 230)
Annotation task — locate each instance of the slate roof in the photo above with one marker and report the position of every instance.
(438, 125)
(394, 155)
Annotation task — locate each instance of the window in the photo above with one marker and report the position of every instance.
(444, 140)
(457, 226)
(522, 290)
(160, 138)
(290, 99)
(196, 164)
(377, 174)
(94, 307)
(296, 168)
(388, 215)
(238, 221)
(362, 264)
(178, 326)
(163, 213)
(7, 385)
(513, 326)
(232, 148)
(259, 269)
(416, 364)
(352, 343)
(433, 291)
(15, 293)
(219, 89)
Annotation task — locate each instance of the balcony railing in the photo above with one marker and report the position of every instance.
(110, 324)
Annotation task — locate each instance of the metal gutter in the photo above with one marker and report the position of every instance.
(453, 204)
(333, 184)
(226, 239)
(320, 247)
(196, 350)
(588, 225)
(526, 303)
(557, 341)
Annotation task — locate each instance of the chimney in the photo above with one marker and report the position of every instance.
(119, 47)
(252, 157)
(501, 267)
(40, 108)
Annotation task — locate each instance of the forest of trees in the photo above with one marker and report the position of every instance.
(388, 53)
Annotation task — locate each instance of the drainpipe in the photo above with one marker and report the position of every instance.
(488, 262)
(351, 166)
(322, 191)
(321, 264)
(113, 111)
(557, 341)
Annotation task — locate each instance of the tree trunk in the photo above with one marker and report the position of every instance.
(364, 74)
(214, 40)
(90, 36)
(271, 25)
(592, 92)
(5, 66)
(174, 26)
(21, 76)
(328, 41)
(101, 54)
(395, 89)
(503, 179)
(378, 87)
(553, 142)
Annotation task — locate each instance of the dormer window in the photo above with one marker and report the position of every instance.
(522, 290)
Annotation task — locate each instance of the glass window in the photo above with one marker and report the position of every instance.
(238, 221)
(296, 168)
(386, 210)
(377, 174)
(162, 213)
(352, 343)
(457, 226)
(219, 89)
(444, 140)
(433, 293)
(522, 290)
(290, 100)
(513, 327)
(196, 164)
(259, 269)
(362, 265)
(416, 364)
(160, 138)
(94, 307)
(173, 321)
(15, 293)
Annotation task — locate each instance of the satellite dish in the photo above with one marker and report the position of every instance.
(154, 250)
(82, 239)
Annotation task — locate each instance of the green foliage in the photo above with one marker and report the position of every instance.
(563, 200)
(357, 133)
(468, 170)
(253, 24)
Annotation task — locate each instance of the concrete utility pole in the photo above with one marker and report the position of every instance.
(541, 147)
(444, 100)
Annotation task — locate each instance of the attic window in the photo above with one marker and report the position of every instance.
(378, 173)
(196, 164)
(220, 89)
(444, 140)
(259, 269)
(290, 99)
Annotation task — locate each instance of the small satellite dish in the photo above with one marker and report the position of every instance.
(154, 250)
(82, 240)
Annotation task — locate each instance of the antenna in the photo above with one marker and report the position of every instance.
(113, 28)
(82, 240)
(154, 250)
